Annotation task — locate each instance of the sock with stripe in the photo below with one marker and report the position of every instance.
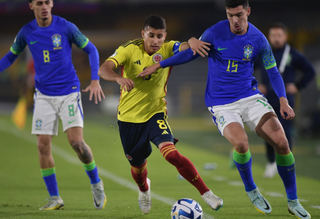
(244, 163)
(286, 169)
(50, 180)
(92, 172)
(184, 167)
(139, 175)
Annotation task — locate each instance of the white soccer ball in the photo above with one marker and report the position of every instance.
(186, 209)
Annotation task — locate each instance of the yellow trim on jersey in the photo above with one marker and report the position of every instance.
(147, 97)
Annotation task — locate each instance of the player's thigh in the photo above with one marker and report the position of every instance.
(71, 112)
(135, 142)
(253, 109)
(160, 130)
(45, 118)
(224, 115)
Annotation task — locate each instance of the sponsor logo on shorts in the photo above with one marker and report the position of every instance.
(72, 121)
(165, 132)
(38, 124)
(129, 157)
(222, 121)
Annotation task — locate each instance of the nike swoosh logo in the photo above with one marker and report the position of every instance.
(220, 49)
(71, 121)
(98, 205)
(303, 215)
(33, 42)
(267, 208)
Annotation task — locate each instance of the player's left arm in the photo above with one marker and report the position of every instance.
(276, 80)
(82, 42)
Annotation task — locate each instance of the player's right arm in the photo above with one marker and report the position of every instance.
(182, 57)
(106, 72)
(15, 50)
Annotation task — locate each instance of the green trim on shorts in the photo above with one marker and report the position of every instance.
(48, 172)
(241, 158)
(285, 160)
(90, 166)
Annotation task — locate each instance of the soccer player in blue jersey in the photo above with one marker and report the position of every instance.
(57, 93)
(233, 98)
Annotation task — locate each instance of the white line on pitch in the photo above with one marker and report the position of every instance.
(5, 127)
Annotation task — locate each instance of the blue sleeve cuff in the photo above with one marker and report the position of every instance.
(277, 82)
(92, 51)
(178, 59)
(7, 61)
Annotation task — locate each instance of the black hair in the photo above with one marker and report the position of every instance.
(30, 1)
(236, 3)
(279, 25)
(155, 22)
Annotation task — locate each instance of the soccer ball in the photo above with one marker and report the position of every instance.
(186, 209)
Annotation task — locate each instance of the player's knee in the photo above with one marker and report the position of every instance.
(44, 149)
(282, 146)
(242, 145)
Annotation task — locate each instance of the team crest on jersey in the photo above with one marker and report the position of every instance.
(157, 58)
(248, 50)
(222, 121)
(38, 124)
(56, 40)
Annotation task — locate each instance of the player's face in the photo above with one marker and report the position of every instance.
(42, 9)
(238, 19)
(277, 38)
(153, 39)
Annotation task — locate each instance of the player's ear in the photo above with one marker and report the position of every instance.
(165, 35)
(30, 6)
(142, 33)
(248, 11)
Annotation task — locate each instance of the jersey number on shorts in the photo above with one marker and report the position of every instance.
(71, 110)
(162, 124)
(46, 56)
(234, 66)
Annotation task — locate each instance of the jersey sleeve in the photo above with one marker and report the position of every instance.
(266, 54)
(119, 57)
(206, 36)
(19, 43)
(176, 47)
(76, 36)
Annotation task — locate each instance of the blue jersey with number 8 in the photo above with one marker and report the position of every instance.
(51, 50)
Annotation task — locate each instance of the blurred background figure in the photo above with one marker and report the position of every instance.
(289, 60)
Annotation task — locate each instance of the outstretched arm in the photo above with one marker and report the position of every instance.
(106, 72)
(7, 61)
(180, 58)
(197, 46)
(94, 87)
(278, 86)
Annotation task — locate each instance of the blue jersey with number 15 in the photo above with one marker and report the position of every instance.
(231, 61)
(51, 51)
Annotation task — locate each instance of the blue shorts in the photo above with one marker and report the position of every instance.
(136, 137)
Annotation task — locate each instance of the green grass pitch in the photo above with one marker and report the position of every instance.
(22, 190)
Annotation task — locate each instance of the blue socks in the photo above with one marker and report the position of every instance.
(50, 180)
(286, 169)
(92, 172)
(243, 163)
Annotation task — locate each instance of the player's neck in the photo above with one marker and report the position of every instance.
(44, 23)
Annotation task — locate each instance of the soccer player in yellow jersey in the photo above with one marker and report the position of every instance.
(142, 111)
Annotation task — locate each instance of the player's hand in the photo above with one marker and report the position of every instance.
(291, 88)
(149, 70)
(95, 90)
(126, 83)
(286, 111)
(199, 46)
(263, 89)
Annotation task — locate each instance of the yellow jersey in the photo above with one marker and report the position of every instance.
(147, 97)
